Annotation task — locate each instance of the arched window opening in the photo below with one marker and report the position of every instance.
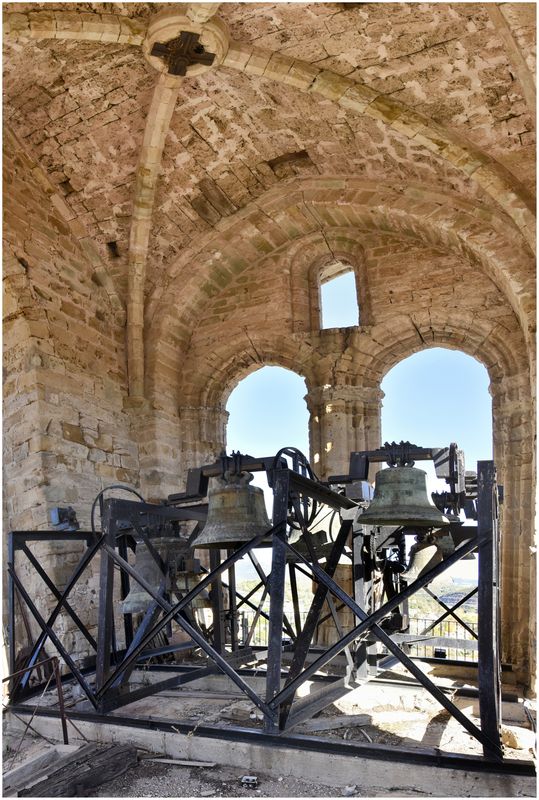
(267, 411)
(436, 397)
(433, 398)
(338, 298)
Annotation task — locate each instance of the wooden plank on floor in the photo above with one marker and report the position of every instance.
(77, 773)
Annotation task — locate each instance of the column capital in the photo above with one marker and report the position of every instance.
(329, 393)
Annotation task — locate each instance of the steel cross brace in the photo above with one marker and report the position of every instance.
(376, 616)
(173, 612)
(53, 637)
(450, 611)
(369, 622)
(305, 638)
(266, 581)
(46, 626)
(174, 609)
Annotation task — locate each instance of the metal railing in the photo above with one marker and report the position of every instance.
(452, 641)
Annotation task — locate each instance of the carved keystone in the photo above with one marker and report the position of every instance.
(178, 46)
(181, 52)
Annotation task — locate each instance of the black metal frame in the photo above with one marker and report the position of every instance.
(107, 688)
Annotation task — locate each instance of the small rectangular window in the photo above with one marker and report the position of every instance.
(338, 302)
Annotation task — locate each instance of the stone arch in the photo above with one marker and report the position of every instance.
(491, 347)
(212, 386)
(202, 410)
(513, 436)
(484, 240)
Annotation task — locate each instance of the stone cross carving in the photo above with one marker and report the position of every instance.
(180, 53)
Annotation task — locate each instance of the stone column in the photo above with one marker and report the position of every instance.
(203, 435)
(342, 419)
(512, 410)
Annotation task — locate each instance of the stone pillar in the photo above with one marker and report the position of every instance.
(203, 435)
(158, 433)
(342, 419)
(512, 410)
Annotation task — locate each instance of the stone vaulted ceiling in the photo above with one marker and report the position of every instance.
(433, 101)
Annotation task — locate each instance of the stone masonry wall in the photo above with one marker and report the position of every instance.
(66, 435)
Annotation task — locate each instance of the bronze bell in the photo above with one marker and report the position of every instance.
(187, 577)
(423, 557)
(170, 548)
(236, 513)
(400, 498)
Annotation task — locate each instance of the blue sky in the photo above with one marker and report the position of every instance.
(432, 398)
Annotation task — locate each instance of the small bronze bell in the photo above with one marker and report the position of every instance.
(400, 498)
(423, 557)
(236, 513)
(187, 577)
(170, 548)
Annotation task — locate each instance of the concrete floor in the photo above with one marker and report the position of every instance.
(390, 715)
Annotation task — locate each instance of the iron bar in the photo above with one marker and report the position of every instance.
(121, 543)
(245, 600)
(77, 572)
(11, 602)
(53, 637)
(478, 734)
(58, 595)
(295, 597)
(175, 609)
(256, 617)
(427, 756)
(361, 596)
(216, 598)
(340, 632)
(305, 638)
(173, 612)
(266, 580)
(303, 485)
(27, 669)
(106, 589)
(20, 537)
(148, 620)
(232, 611)
(488, 602)
(449, 611)
(281, 488)
(61, 709)
(376, 616)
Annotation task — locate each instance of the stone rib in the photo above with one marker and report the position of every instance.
(106, 28)
(157, 125)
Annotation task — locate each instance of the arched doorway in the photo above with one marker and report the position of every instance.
(438, 396)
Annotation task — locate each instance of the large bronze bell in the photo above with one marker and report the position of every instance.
(236, 513)
(400, 498)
